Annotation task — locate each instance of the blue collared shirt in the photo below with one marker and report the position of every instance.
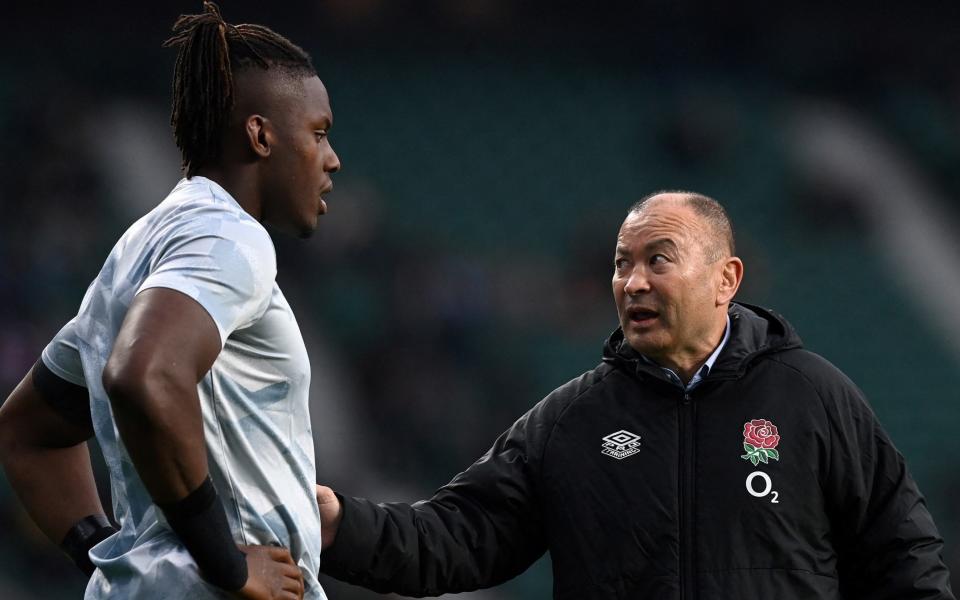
(702, 371)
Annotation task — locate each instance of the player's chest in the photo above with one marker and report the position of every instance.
(271, 349)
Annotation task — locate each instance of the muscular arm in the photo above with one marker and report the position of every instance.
(45, 456)
(166, 344)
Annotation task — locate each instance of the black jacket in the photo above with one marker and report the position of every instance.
(833, 512)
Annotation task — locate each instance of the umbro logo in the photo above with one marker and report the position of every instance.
(621, 444)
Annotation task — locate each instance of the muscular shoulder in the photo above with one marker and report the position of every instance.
(200, 223)
(201, 243)
(207, 215)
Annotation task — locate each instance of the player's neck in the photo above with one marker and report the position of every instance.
(239, 183)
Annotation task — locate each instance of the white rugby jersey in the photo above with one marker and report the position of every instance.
(200, 242)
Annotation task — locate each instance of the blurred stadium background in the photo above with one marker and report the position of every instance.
(490, 149)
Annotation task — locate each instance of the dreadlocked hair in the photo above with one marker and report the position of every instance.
(210, 51)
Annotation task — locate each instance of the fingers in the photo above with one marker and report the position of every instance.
(327, 498)
(276, 553)
(293, 585)
(292, 576)
(279, 567)
(280, 555)
(325, 494)
(292, 572)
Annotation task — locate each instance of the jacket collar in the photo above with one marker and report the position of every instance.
(754, 332)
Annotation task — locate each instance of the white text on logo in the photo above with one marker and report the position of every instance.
(621, 444)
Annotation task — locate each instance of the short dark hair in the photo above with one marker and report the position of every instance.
(210, 51)
(712, 213)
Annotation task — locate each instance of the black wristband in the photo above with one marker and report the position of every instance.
(201, 523)
(85, 534)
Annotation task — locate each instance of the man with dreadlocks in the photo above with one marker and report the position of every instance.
(185, 359)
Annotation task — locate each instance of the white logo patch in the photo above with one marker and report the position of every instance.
(621, 444)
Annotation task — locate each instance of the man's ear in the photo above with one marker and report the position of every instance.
(259, 135)
(730, 277)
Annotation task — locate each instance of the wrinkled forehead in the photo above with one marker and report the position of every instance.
(671, 221)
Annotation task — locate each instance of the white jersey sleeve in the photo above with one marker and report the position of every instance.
(62, 355)
(228, 266)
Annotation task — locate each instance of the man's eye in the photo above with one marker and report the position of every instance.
(320, 133)
(658, 259)
(619, 263)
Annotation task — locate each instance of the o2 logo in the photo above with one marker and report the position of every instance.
(760, 440)
(762, 488)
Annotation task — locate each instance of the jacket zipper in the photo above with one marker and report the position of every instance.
(687, 587)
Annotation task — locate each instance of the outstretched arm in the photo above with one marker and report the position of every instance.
(477, 531)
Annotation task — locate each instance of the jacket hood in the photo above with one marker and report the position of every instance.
(754, 332)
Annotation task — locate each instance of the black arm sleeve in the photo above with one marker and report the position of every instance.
(71, 401)
(200, 522)
(479, 530)
(889, 547)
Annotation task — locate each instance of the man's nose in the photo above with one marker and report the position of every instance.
(332, 164)
(637, 282)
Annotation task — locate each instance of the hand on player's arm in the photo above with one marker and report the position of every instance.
(330, 514)
(166, 345)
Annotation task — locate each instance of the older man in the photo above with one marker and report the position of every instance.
(708, 456)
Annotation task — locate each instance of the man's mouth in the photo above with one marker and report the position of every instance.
(641, 316)
(323, 203)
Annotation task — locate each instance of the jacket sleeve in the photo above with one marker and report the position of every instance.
(479, 530)
(888, 544)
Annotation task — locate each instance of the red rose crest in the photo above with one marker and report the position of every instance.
(760, 439)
